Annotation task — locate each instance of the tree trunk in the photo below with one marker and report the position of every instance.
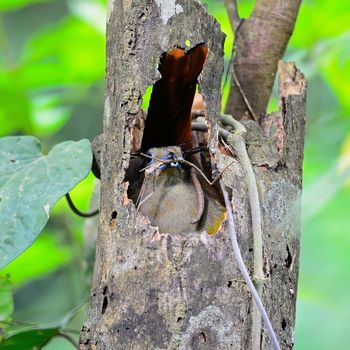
(153, 290)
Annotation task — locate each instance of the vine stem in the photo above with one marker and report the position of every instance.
(68, 338)
(76, 211)
(243, 269)
(236, 141)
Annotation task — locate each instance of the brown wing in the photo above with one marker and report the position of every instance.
(169, 115)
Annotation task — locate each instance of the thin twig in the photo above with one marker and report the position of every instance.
(211, 183)
(141, 199)
(249, 107)
(144, 200)
(228, 70)
(232, 12)
(235, 21)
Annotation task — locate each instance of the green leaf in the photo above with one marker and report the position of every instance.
(30, 185)
(6, 303)
(6, 299)
(33, 339)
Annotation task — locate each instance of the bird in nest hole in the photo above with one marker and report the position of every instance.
(171, 192)
(174, 197)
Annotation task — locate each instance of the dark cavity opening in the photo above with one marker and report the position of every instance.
(284, 324)
(104, 304)
(203, 337)
(289, 258)
(105, 300)
(114, 215)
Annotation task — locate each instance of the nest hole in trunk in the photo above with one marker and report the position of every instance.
(167, 172)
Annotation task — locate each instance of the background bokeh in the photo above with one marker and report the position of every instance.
(52, 64)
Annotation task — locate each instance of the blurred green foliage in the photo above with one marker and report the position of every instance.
(6, 304)
(52, 63)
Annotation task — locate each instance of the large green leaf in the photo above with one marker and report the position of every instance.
(29, 340)
(31, 183)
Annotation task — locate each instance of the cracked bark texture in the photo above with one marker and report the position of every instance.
(159, 291)
(260, 42)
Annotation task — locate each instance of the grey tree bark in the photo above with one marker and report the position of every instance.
(154, 290)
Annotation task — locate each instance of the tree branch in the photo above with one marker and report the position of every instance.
(232, 11)
(260, 43)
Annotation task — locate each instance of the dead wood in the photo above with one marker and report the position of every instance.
(154, 290)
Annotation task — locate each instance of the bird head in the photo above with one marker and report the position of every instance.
(163, 159)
